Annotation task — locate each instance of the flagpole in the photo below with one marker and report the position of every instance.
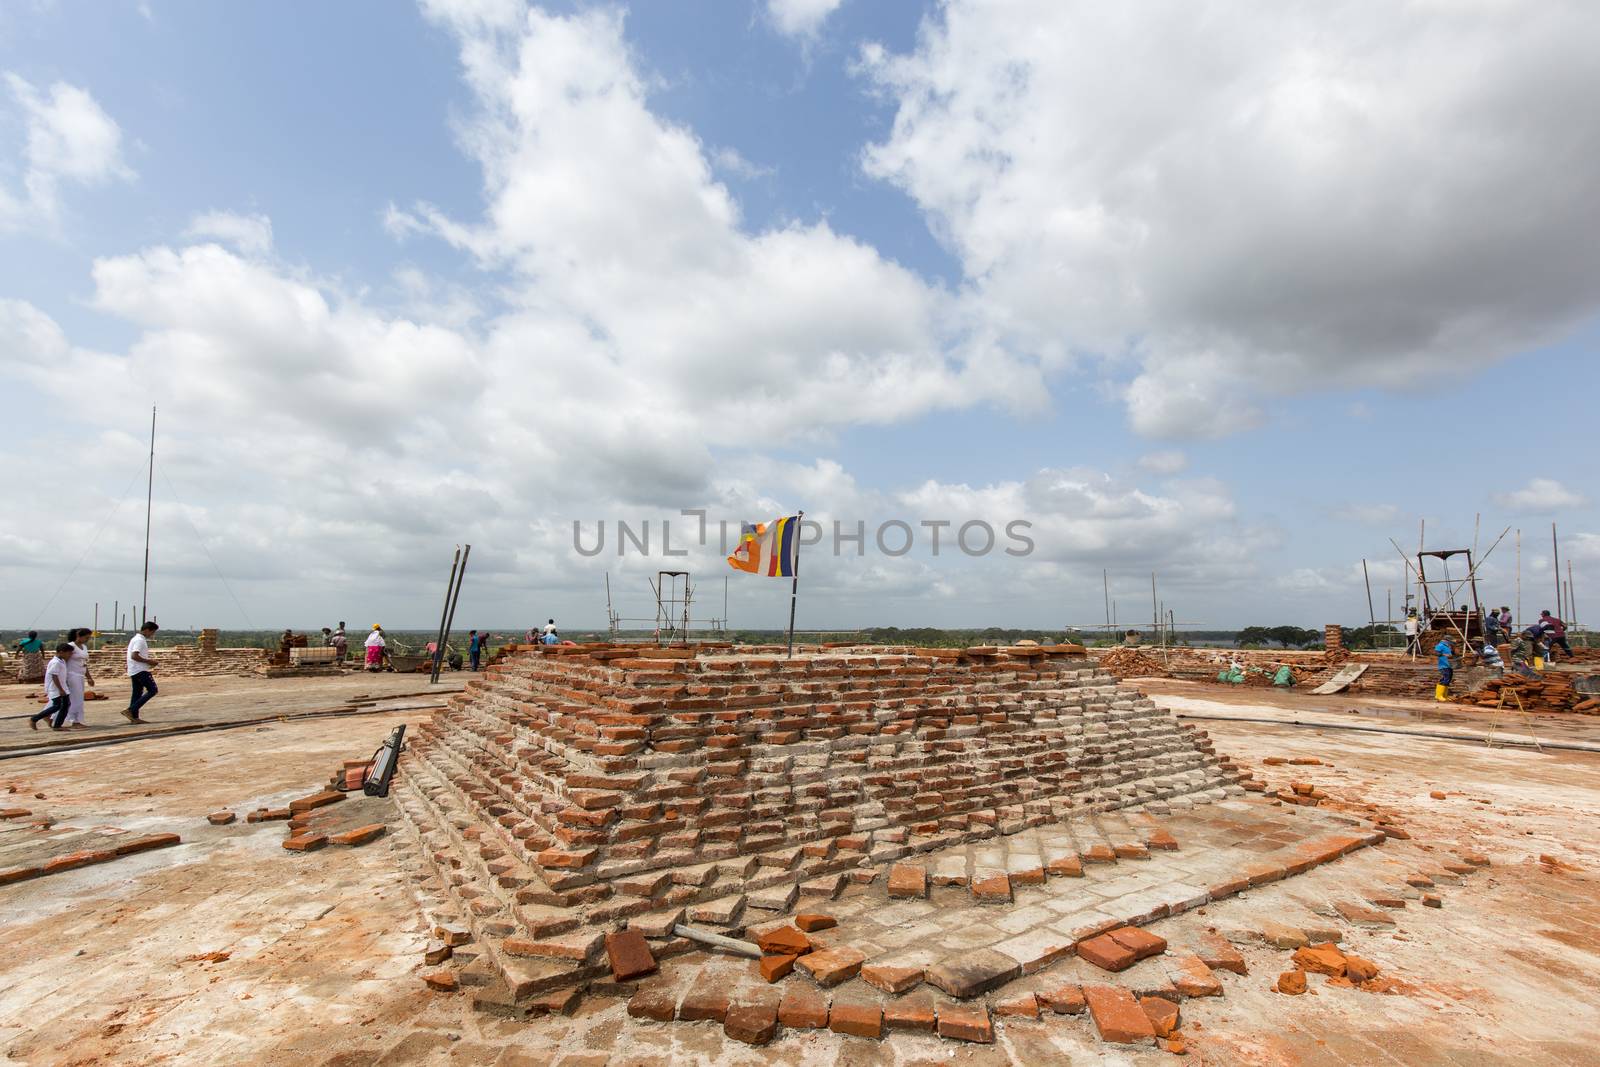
(794, 588)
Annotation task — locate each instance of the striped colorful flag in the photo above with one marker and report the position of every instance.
(770, 548)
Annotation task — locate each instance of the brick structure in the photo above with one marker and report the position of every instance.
(572, 791)
(182, 661)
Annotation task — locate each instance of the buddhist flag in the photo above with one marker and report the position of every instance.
(769, 548)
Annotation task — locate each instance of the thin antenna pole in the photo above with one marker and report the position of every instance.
(794, 588)
(1155, 609)
(724, 603)
(149, 497)
(1519, 576)
(1372, 620)
(1555, 549)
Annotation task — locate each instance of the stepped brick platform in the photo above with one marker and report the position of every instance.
(574, 791)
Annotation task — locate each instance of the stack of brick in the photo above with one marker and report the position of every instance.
(570, 790)
(182, 661)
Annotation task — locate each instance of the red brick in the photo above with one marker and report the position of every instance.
(856, 1018)
(1022, 1006)
(360, 835)
(436, 953)
(1067, 1000)
(914, 1012)
(555, 1002)
(774, 968)
(658, 1004)
(784, 941)
(1106, 953)
(832, 966)
(443, 981)
(1117, 1016)
(1163, 1015)
(221, 818)
(966, 1022)
(1320, 959)
(812, 922)
(992, 890)
(146, 843)
(754, 1024)
(803, 1009)
(315, 800)
(1141, 942)
(707, 1000)
(306, 842)
(1360, 969)
(1065, 867)
(892, 979)
(1192, 978)
(908, 880)
(630, 957)
(1292, 983)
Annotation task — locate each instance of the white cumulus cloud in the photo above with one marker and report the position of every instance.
(69, 138)
(1239, 203)
(250, 234)
(800, 18)
(1540, 494)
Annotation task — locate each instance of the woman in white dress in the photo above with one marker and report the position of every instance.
(78, 676)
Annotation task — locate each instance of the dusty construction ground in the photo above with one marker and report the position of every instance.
(228, 948)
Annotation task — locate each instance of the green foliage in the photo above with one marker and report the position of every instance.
(1283, 636)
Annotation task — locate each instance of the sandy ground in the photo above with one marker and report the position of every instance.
(227, 948)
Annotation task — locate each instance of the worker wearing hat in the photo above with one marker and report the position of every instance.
(375, 646)
(1441, 691)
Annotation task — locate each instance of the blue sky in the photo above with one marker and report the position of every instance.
(402, 276)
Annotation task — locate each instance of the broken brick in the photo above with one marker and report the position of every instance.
(1067, 1000)
(658, 1004)
(1022, 1006)
(1117, 1016)
(1163, 1015)
(359, 836)
(1192, 978)
(832, 966)
(966, 1022)
(811, 922)
(775, 968)
(1107, 953)
(443, 981)
(1142, 942)
(306, 842)
(1292, 982)
(436, 953)
(1320, 959)
(784, 941)
(1359, 969)
(221, 818)
(972, 973)
(629, 955)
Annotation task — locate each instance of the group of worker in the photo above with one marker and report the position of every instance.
(67, 676)
(1531, 647)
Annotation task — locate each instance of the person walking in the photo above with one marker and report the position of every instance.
(55, 689)
(1555, 633)
(79, 677)
(375, 647)
(1441, 691)
(140, 671)
(30, 658)
(474, 650)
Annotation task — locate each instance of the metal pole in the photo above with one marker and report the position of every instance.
(149, 496)
(95, 640)
(794, 587)
(450, 618)
(1105, 584)
(438, 648)
(1555, 549)
(1519, 576)
(1372, 620)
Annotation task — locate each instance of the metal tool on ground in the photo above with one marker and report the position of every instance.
(1502, 705)
(384, 762)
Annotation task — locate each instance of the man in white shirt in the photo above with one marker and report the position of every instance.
(55, 689)
(140, 666)
(549, 628)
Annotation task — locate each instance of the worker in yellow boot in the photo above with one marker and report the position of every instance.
(1441, 691)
